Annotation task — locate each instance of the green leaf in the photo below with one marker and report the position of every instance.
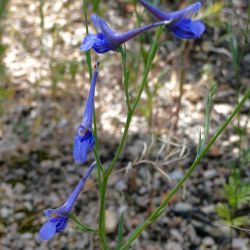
(120, 232)
(73, 68)
(213, 9)
(199, 144)
(81, 226)
(239, 130)
(203, 139)
(223, 211)
(244, 194)
(231, 192)
(241, 221)
(245, 158)
(96, 4)
(85, 228)
(3, 8)
(212, 14)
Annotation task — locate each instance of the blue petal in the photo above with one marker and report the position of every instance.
(88, 42)
(197, 27)
(60, 222)
(49, 212)
(82, 145)
(101, 26)
(188, 29)
(48, 230)
(98, 42)
(175, 15)
(185, 13)
(102, 44)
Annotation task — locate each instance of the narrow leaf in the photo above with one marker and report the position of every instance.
(81, 226)
(120, 232)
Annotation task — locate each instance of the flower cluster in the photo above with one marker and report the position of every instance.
(178, 22)
(182, 26)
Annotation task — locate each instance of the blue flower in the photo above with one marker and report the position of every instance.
(84, 139)
(58, 218)
(182, 26)
(106, 39)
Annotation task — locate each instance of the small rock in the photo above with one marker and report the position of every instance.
(120, 185)
(210, 174)
(19, 187)
(171, 245)
(208, 242)
(111, 221)
(246, 59)
(27, 236)
(175, 222)
(28, 206)
(19, 216)
(215, 151)
(46, 164)
(219, 181)
(208, 209)
(142, 201)
(176, 235)
(192, 235)
(176, 174)
(182, 207)
(240, 244)
(5, 212)
(142, 190)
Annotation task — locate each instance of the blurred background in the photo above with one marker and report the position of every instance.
(43, 87)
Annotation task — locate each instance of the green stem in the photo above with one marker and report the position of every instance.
(161, 209)
(125, 75)
(102, 232)
(151, 56)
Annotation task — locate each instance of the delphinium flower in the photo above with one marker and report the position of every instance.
(84, 139)
(107, 39)
(58, 218)
(182, 25)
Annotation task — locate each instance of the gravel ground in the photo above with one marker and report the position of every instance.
(39, 122)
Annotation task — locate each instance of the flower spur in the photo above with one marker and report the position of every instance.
(182, 26)
(107, 39)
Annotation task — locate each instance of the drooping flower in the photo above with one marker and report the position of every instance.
(84, 139)
(58, 218)
(107, 39)
(182, 25)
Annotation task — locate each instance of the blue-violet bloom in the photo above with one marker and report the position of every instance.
(84, 139)
(58, 218)
(107, 39)
(182, 25)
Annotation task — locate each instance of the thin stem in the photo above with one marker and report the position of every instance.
(102, 232)
(151, 56)
(161, 209)
(125, 74)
